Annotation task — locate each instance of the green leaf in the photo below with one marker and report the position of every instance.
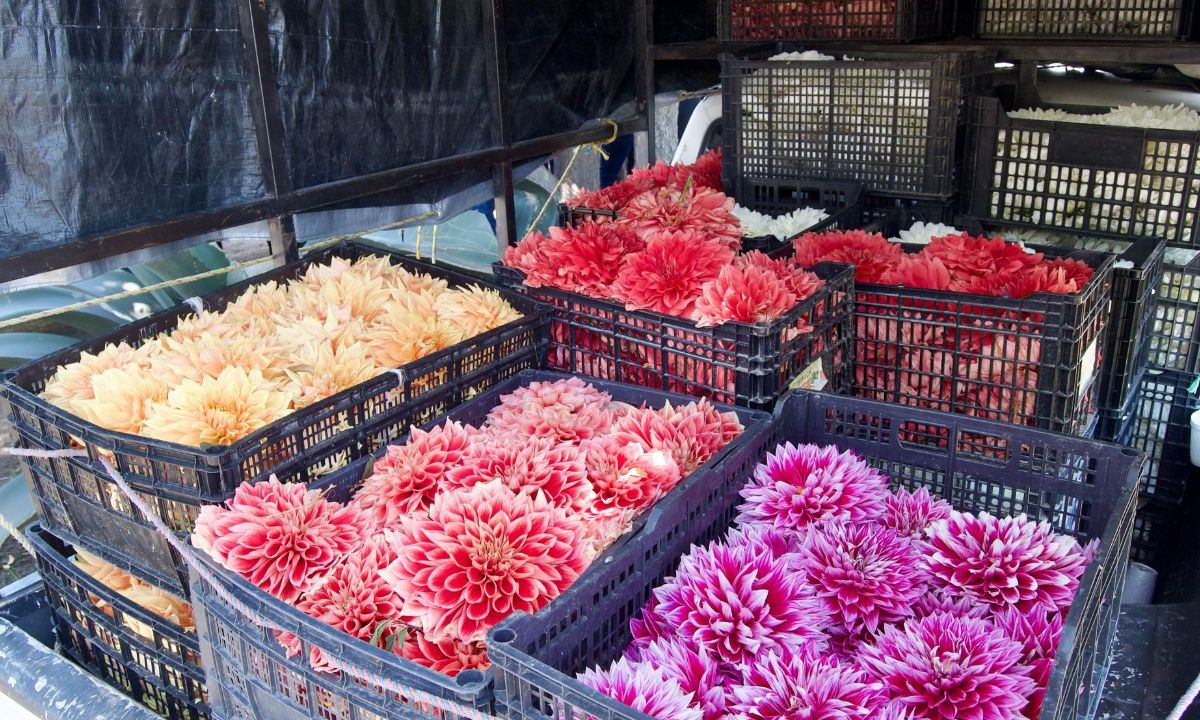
(380, 629)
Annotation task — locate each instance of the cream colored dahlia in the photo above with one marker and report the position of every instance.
(123, 399)
(320, 371)
(399, 337)
(259, 303)
(404, 282)
(218, 411)
(205, 324)
(303, 332)
(208, 355)
(474, 310)
(73, 382)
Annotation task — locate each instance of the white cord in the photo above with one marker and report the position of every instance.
(1186, 701)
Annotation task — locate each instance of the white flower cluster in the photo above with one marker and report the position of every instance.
(1070, 242)
(1158, 117)
(756, 224)
(1080, 17)
(922, 232)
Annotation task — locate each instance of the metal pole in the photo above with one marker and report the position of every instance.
(643, 69)
(496, 47)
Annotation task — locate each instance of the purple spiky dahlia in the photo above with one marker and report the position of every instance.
(696, 671)
(799, 485)
(1004, 561)
(643, 687)
(780, 545)
(804, 686)
(935, 600)
(944, 667)
(738, 603)
(1039, 633)
(649, 626)
(909, 513)
(867, 575)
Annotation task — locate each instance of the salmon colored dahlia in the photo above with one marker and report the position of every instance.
(585, 258)
(800, 485)
(803, 684)
(569, 410)
(910, 512)
(207, 355)
(799, 281)
(404, 283)
(643, 687)
(738, 603)
(406, 478)
(122, 399)
(742, 294)
(292, 335)
(73, 382)
(537, 466)
(944, 667)
(627, 477)
(696, 671)
(218, 411)
(530, 257)
(482, 554)
(279, 537)
(1011, 561)
(700, 210)
(667, 276)
(446, 656)
(205, 322)
(473, 310)
(870, 253)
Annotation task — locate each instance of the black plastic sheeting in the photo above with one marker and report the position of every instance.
(115, 113)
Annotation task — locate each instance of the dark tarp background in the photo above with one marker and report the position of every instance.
(115, 113)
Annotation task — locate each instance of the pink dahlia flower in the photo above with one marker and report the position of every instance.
(649, 626)
(867, 575)
(1004, 561)
(699, 210)
(938, 600)
(667, 276)
(530, 257)
(568, 410)
(910, 512)
(803, 685)
(695, 670)
(967, 256)
(447, 656)
(799, 281)
(944, 667)
(533, 466)
(738, 603)
(799, 485)
(706, 170)
(691, 433)
(628, 477)
(742, 294)
(643, 687)
(279, 537)
(1067, 275)
(613, 197)
(408, 476)
(585, 258)
(353, 598)
(919, 271)
(1039, 633)
(870, 253)
(481, 555)
(783, 546)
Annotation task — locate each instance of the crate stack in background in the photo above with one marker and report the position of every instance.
(83, 512)
(1125, 20)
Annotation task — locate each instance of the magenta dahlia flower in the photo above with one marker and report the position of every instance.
(781, 545)
(568, 410)
(738, 603)
(700, 210)
(643, 687)
(408, 476)
(667, 276)
(628, 477)
(536, 465)
(867, 575)
(1039, 633)
(696, 671)
(447, 656)
(742, 294)
(482, 554)
(804, 685)
(799, 485)
(279, 537)
(1004, 561)
(936, 600)
(944, 667)
(910, 512)
(649, 626)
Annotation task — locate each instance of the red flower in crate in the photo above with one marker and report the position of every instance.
(944, 667)
(706, 171)
(800, 282)
(804, 684)
(666, 277)
(279, 537)
(690, 433)
(1039, 633)
(700, 210)
(448, 656)
(568, 410)
(531, 257)
(918, 271)
(613, 197)
(967, 257)
(628, 477)
(481, 555)
(533, 466)
(643, 687)
(1011, 561)
(870, 253)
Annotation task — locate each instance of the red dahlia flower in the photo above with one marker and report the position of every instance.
(919, 271)
(969, 256)
(279, 537)
(870, 253)
(1004, 561)
(643, 687)
(800, 282)
(691, 433)
(481, 555)
(667, 276)
(706, 171)
(585, 258)
(532, 467)
(944, 667)
(613, 197)
(799, 485)
(530, 256)
(628, 477)
(568, 410)
(803, 685)
(742, 294)
(447, 656)
(699, 210)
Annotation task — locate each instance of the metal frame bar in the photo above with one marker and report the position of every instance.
(496, 48)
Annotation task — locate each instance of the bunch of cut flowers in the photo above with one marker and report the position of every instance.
(460, 526)
(835, 597)
(759, 20)
(278, 347)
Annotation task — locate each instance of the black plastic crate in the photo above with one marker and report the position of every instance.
(742, 364)
(1081, 19)
(1175, 336)
(158, 666)
(77, 499)
(1115, 181)
(898, 20)
(847, 123)
(1060, 336)
(251, 676)
(881, 211)
(841, 200)
(1083, 488)
(1158, 424)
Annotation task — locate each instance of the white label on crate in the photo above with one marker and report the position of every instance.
(1088, 369)
(810, 378)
